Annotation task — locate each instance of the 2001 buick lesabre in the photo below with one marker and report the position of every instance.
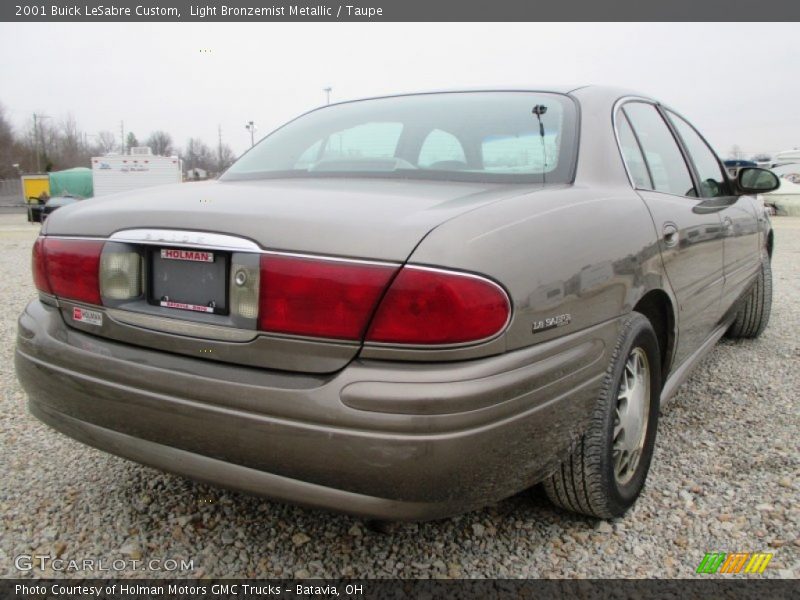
(406, 307)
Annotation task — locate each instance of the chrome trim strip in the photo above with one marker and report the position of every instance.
(614, 109)
(177, 237)
(86, 238)
(180, 327)
(380, 263)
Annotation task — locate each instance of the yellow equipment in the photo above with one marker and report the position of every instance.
(34, 185)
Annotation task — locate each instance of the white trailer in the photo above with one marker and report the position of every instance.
(140, 169)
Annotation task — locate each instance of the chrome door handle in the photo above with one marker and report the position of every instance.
(670, 232)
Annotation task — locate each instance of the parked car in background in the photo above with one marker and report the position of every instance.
(406, 307)
(787, 156)
(788, 171)
(38, 212)
(733, 166)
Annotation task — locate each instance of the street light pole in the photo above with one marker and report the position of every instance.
(327, 91)
(251, 127)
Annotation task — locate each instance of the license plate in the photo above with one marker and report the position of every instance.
(188, 279)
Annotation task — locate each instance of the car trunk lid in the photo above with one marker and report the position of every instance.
(368, 218)
(371, 219)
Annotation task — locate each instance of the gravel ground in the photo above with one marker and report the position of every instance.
(724, 478)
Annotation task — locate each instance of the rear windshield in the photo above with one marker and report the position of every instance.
(463, 136)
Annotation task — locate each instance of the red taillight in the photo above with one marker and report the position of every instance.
(39, 267)
(319, 298)
(431, 306)
(70, 268)
(322, 298)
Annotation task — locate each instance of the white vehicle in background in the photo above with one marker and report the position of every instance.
(787, 156)
(139, 169)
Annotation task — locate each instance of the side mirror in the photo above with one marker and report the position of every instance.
(757, 181)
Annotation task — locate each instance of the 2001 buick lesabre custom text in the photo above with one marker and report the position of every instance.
(406, 307)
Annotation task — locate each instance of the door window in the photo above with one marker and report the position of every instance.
(662, 153)
(712, 179)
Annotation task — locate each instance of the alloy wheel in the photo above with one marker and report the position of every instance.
(631, 416)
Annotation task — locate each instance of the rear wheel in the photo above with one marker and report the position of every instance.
(607, 469)
(753, 314)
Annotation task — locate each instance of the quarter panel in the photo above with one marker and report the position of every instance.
(585, 252)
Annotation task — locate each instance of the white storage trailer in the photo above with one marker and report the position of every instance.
(140, 169)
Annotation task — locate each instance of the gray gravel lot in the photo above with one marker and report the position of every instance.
(726, 477)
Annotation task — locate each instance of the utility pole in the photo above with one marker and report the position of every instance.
(327, 91)
(251, 127)
(36, 144)
(122, 136)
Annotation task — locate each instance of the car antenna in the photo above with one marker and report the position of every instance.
(539, 110)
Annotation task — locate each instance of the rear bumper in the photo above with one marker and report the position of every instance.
(377, 439)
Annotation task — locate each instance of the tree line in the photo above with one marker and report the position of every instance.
(51, 144)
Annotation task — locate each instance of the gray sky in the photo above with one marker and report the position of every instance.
(738, 83)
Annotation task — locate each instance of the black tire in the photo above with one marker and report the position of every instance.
(753, 314)
(585, 482)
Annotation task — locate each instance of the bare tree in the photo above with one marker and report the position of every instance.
(106, 142)
(6, 148)
(25, 148)
(68, 152)
(49, 140)
(197, 155)
(160, 143)
(225, 157)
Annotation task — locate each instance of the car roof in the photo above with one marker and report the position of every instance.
(593, 91)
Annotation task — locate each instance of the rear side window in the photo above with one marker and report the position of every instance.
(632, 154)
(370, 140)
(712, 179)
(664, 158)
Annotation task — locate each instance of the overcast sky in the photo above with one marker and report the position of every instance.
(739, 83)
